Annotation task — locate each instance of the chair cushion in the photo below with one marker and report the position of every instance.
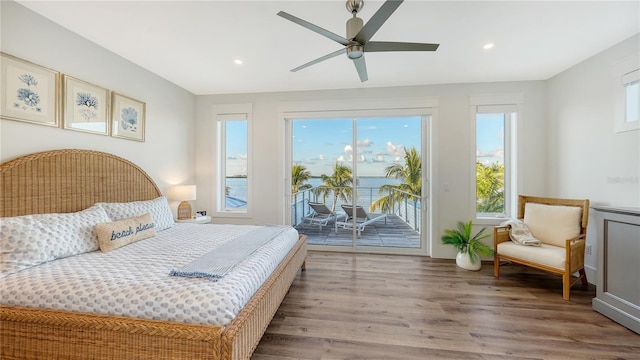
(549, 255)
(553, 224)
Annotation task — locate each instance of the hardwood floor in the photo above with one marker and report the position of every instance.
(362, 306)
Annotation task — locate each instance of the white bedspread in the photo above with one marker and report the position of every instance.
(134, 280)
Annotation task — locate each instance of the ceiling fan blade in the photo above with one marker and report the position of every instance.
(323, 58)
(361, 66)
(379, 46)
(376, 21)
(326, 33)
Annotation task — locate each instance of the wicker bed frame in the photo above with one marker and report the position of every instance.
(72, 180)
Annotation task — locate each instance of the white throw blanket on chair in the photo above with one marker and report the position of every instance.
(520, 234)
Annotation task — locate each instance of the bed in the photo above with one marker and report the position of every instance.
(68, 181)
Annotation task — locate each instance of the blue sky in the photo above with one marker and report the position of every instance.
(490, 138)
(236, 150)
(319, 143)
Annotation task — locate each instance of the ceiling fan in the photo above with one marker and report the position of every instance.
(358, 35)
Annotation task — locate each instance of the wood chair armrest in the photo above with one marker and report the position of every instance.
(500, 235)
(581, 236)
(575, 252)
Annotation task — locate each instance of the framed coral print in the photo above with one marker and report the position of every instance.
(85, 106)
(30, 92)
(127, 117)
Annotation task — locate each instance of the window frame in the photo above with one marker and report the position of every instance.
(510, 105)
(222, 115)
(424, 106)
(625, 71)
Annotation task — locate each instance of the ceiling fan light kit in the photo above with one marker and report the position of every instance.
(358, 35)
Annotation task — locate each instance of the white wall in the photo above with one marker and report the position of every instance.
(453, 152)
(168, 152)
(587, 158)
(569, 148)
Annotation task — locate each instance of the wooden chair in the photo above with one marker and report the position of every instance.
(562, 229)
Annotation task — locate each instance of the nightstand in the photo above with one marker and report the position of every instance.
(197, 220)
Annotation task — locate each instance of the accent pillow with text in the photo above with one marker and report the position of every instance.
(113, 235)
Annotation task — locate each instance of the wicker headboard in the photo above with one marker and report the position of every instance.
(70, 180)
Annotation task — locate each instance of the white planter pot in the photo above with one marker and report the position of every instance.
(464, 261)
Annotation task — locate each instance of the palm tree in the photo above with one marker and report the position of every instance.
(299, 175)
(410, 188)
(490, 188)
(339, 184)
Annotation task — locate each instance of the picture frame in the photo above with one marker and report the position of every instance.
(85, 106)
(30, 92)
(127, 117)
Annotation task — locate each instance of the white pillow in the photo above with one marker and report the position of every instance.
(31, 240)
(553, 224)
(158, 207)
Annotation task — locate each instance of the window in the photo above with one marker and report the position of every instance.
(626, 90)
(495, 160)
(233, 176)
(631, 83)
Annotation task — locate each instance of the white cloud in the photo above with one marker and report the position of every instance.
(378, 158)
(496, 153)
(395, 150)
(365, 143)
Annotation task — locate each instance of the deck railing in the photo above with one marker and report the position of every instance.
(406, 209)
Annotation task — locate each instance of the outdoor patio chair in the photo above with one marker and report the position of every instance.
(362, 218)
(321, 215)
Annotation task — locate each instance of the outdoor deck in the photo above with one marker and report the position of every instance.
(395, 233)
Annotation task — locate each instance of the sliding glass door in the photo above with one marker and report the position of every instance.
(356, 183)
(322, 179)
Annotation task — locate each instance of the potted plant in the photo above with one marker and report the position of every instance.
(469, 247)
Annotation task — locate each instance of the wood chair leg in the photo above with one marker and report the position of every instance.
(583, 276)
(496, 267)
(566, 286)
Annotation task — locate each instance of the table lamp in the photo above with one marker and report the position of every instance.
(183, 193)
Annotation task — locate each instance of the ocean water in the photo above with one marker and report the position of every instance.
(238, 186)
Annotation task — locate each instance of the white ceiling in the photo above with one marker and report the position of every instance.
(194, 43)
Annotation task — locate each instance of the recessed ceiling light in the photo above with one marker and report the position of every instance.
(238, 61)
(489, 46)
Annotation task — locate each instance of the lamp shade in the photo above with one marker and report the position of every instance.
(182, 193)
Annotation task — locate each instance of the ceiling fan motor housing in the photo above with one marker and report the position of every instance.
(354, 25)
(354, 49)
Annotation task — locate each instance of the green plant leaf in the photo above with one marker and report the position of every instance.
(462, 239)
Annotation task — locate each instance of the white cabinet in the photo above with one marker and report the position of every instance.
(618, 283)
